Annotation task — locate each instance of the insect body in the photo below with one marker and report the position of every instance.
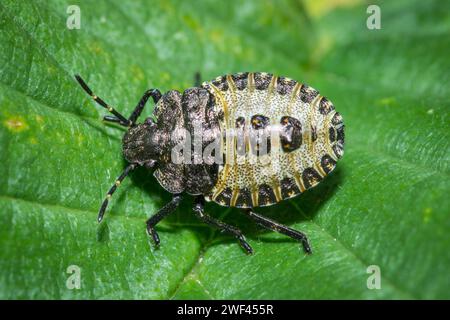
(260, 139)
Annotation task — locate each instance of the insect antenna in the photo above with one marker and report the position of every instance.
(111, 191)
(119, 118)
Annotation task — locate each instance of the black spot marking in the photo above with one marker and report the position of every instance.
(307, 94)
(327, 163)
(310, 177)
(288, 188)
(240, 122)
(290, 133)
(285, 86)
(221, 83)
(224, 197)
(325, 106)
(338, 128)
(337, 119)
(341, 134)
(332, 134)
(244, 199)
(266, 195)
(259, 121)
(260, 135)
(240, 79)
(262, 81)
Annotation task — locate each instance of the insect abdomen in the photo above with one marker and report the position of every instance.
(306, 138)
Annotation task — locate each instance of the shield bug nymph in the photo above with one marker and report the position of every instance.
(302, 141)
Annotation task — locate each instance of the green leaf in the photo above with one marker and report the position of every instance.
(386, 205)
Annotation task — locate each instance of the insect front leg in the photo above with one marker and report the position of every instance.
(277, 227)
(113, 189)
(161, 214)
(222, 226)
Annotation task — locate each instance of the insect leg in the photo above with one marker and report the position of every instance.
(161, 214)
(116, 120)
(121, 119)
(222, 226)
(277, 227)
(154, 93)
(111, 191)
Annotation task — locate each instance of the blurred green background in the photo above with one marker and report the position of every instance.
(387, 204)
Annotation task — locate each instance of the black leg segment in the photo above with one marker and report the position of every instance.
(222, 226)
(115, 120)
(154, 93)
(111, 191)
(277, 227)
(161, 214)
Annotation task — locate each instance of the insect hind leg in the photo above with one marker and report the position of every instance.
(161, 214)
(199, 211)
(277, 227)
